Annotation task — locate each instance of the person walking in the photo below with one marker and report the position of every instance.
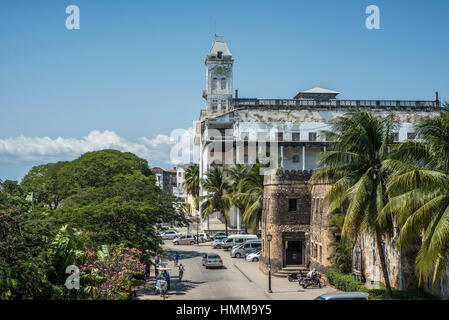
(176, 258)
(181, 271)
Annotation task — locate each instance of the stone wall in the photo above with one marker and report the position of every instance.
(279, 221)
(321, 236)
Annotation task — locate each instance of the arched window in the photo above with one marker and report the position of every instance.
(214, 83)
(223, 83)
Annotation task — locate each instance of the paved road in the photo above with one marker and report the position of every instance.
(239, 280)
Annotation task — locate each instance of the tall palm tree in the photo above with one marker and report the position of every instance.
(237, 174)
(419, 187)
(218, 197)
(354, 167)
(251, 194)
(192, 182)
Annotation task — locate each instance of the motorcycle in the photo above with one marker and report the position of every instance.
(161, 288)
(311, 281)
(295, 276)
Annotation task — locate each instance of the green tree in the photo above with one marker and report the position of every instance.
(251, 195)
(419, 186)
(109, 195)
(24, 236)
(354, 167)
(218, 197)
(192, 181)
(237, 174)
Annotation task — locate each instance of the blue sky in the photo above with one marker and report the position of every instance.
(135, 70)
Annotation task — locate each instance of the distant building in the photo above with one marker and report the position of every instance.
(180, 192)
(165, 179)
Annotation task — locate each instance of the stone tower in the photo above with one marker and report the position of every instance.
(219, 62)
(286, 216)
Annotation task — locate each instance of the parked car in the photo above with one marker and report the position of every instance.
(237, 239)
(249, 252)
(239, 252)
(188, 239)
(219, 234)
(170, 234)
(203, 237)
(254, 256)
(218, 243)
(344, 296)
(212, 260)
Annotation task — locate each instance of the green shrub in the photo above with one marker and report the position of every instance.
(346, 282)
(343, 282)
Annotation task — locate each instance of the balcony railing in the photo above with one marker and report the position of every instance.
(331, 104)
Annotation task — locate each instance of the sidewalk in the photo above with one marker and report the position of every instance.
(281, 288)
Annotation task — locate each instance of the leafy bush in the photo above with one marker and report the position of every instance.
(341, 257)
(343, 282)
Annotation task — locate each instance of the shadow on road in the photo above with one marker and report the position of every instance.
(181, 288)
(183, 254)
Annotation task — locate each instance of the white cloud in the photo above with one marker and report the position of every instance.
(31, 149)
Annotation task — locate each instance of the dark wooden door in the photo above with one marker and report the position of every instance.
(293, 253)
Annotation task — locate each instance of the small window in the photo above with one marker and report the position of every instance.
(295, 136)
(292, 204)
(296, 158)
(411, 136)
(312, 136)
(220, 55)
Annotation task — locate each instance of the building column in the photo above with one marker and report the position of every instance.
(324, 149)
(282, 157)
(238, 217)
(303, 158)
(237, 153)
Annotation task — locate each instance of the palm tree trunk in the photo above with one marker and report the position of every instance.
(383, 262)
(226, 226)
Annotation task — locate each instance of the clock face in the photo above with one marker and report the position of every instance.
(219, 69)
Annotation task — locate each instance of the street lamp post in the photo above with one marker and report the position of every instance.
(269, 237)
(197, 223)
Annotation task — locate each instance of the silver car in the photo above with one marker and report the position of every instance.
(212, 260)
(170, 234)
(239, 251)
(188, 239)
(218, 243)
(344, 296)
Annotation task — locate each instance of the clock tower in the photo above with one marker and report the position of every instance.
(218, 93)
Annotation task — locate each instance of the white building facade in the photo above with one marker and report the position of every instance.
(237, 130)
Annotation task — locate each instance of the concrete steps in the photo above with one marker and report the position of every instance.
(286, 270)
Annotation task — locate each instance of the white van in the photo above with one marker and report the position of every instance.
(237, 239)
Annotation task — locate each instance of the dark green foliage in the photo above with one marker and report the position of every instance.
(343, 282)
(62, 211)
(341, 257)
(109, 195)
